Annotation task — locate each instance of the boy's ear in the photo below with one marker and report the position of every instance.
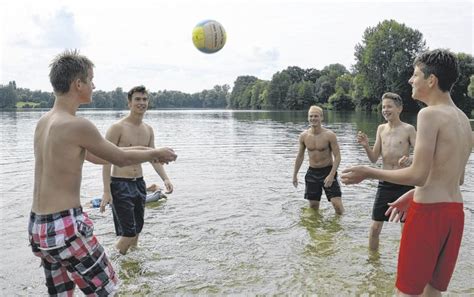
(432, 80)
(75, 84)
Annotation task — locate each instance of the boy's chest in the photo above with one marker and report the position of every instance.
(394, 138)
(316, 143)
(133, 137)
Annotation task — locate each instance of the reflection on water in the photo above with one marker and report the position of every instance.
(234, 225)
(323, 232)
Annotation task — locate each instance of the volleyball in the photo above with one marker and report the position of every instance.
(209, 36)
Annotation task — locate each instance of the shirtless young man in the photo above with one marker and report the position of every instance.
(434, 209)
(322, 146)
(60, 232)
(393, 142)
(126, 188)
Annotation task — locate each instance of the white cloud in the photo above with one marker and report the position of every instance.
(59, 31)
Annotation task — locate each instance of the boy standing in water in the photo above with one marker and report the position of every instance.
(60, 232)
(126, 188)
(434, 209)
(322, 146)
(393, 142)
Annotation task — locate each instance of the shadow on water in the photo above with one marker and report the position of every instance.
(134, 274)
(322, 231)
(377, 281)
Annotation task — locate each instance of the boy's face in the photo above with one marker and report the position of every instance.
(419, 84)
(390, 110)
(139, 102)
(314, 117)
(87, 87)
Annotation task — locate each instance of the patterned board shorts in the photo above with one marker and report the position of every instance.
(70, 254)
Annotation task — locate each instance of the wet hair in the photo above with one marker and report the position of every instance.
(137, 89)
(315, 107)
(395, 97)
(67, 67)
(441, 63)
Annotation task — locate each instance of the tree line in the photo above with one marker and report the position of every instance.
(216, 97)
(384, 62)
(383, 58)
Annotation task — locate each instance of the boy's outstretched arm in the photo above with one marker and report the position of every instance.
(417, 173)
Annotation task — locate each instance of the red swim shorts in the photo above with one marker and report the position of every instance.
(429, 246)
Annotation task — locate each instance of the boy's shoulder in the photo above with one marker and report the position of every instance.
(329, 132)
(148, 126)
(304, 132)
(381, 127)
(407, 126)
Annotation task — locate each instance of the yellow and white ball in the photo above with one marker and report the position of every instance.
(209, 36)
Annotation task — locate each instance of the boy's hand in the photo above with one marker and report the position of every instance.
(328, 180)
(404, 161)
(168, 186)
(164, 155)
(398, 209)
(295, 182)
(354, 174)
(106, 199)
(362, 139)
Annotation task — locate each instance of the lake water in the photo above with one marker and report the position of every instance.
(234, 225)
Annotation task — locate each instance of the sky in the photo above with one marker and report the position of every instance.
(149, 42)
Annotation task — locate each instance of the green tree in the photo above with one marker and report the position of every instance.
(459, 92)
(8, 96)
(359, 93)
(101, 99)
(295, 73)
(325, 85)
(119, 99)
(312, 75)
(344, 84)
(278, 89)
(384, 60)
(257, 90)
(300, 96)
(470, 88)
(342, 99)
(240, 85)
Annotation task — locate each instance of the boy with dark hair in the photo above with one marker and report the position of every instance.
(125, 188)
(60, 232)
(392, 141)
(434, 209)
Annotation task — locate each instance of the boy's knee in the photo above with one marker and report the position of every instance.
(375, 229)
(337, 204)
(314, 204)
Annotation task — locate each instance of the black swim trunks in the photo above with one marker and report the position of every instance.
(314, 179)
(128, 205)
(386, 192)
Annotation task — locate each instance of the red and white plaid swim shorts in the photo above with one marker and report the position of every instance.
(70, 254)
